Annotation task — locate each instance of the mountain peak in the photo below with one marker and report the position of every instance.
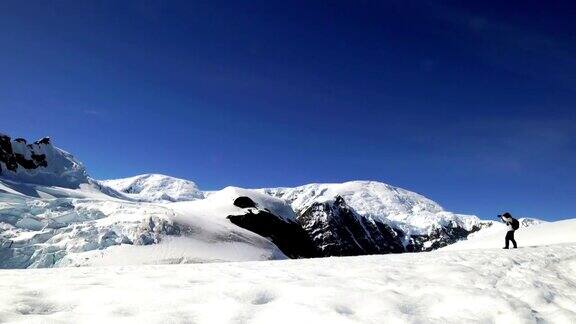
(39, 163)
(156, 187)
(400, 208)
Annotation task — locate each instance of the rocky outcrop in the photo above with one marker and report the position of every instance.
(337, 230)
(244, 202)
(439, 237)
(287, 235)
(333, 228)
(39, 163)
(14, 154)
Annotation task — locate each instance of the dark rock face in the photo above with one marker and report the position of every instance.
(45, 141)
(6, 154)
(337, 230)
(244, 202)
(14, 160)
(441, 237)
(289, 237)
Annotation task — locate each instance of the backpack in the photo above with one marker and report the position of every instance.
(515, 224)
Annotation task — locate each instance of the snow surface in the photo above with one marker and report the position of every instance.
(530, 285)
(409, 211)
(535, 235)
(90, 230)
(156, 187)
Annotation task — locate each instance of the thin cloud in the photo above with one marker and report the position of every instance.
(93, 112)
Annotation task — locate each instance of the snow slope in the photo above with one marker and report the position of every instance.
(206, 235)
(156, 187)
(535, 285)
(40, 232)
(544, 233)
(400, 208)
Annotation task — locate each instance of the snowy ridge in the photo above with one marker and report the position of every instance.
(156, 188)
(399, 208)
(39, 163)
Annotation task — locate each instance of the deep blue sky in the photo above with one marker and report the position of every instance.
(472, 105)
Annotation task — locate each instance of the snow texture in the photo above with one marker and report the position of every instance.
(529, 285)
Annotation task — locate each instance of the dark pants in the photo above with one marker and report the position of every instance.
(510, 237)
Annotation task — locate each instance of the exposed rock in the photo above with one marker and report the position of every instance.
(288, 236)
(12, 160)
(6, 154)
(45, 141)
(244, 202)
(440, 237)
(337, 230)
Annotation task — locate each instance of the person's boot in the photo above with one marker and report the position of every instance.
(505, 248)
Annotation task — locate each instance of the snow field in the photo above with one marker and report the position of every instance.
(542, 234)
(531, 285)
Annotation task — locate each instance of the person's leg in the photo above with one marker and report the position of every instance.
(512, 239)
(507, 239)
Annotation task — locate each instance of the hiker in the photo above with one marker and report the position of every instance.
(513, 225)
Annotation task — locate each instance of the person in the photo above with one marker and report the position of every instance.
(512, 226)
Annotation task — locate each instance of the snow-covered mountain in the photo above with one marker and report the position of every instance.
(94, 229)
(53, 214)
(367, 217)
(156, 187)
(406, 210)
(40, 163)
